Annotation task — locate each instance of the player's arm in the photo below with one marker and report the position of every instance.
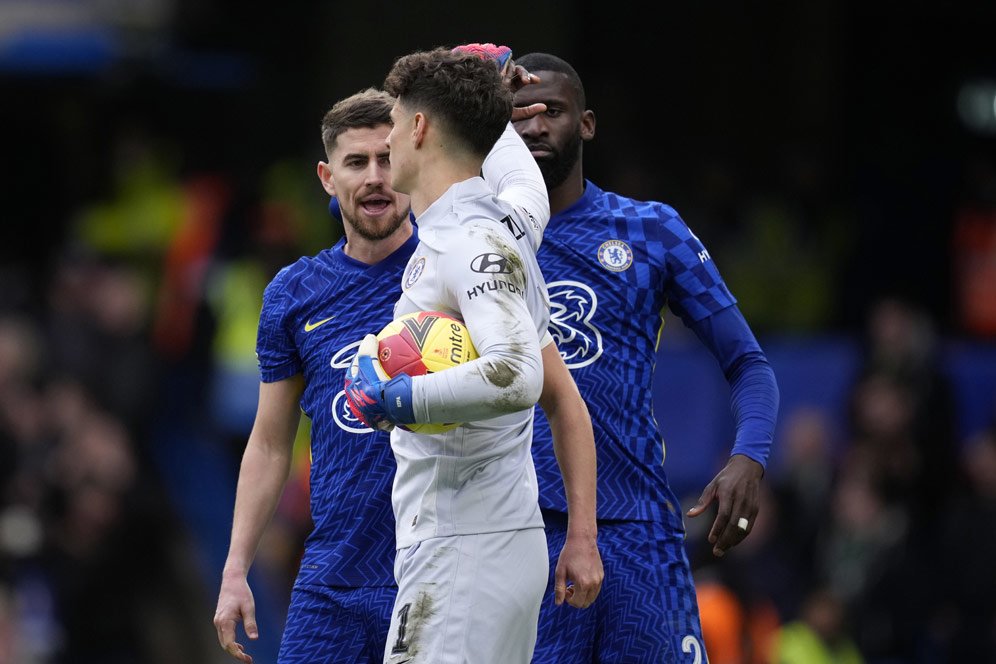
(508, 374)
(754, 402)
(505, 378)
(574, 444)
(509, 168)
(515, 178)
(265, 468)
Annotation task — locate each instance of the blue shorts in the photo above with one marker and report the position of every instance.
(646, 611)
(326, 625)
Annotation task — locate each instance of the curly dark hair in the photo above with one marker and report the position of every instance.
(463, 91)
(366, 109)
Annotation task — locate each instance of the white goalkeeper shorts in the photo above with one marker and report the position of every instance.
(469, 598)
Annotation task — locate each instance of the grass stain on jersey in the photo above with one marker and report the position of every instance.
(511, 256)
(500, 373)
(422, 610)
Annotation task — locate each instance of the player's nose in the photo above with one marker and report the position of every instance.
(534, 126)
(376, 174)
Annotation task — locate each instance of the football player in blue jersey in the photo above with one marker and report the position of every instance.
(344, 591)
(313, 312)
(612, 265)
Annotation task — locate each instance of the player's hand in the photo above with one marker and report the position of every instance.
(579, 565)
(377, 401)
(525, 112)
(515, 76)
(737, 490)
(515, 79)
(235, 604)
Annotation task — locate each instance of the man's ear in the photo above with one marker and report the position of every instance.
(587, 125)
(325, 175)
(420, 125)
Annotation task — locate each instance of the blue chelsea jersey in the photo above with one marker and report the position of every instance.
(612, 265)
(315, 312)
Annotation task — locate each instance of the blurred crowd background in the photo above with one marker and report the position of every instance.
(837, 158)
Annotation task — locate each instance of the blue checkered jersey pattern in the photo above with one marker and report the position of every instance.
(612, 265)
(315, 312)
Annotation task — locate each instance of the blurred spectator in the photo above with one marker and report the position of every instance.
(864, 554)
(819, 636)
(802, 486)
(903, 410)
(963, 621)
(177, 328)
(97, 329)
(882, 412)
(83, 518)
(257, 240)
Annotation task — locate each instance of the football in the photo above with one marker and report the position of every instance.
(424, 342)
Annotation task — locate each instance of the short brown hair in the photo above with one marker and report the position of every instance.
(464, 91)
(366, 109)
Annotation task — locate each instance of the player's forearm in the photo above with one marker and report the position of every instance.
(574, 446)
(754, 393)
(754, 401)
(507, 377)
(502, 381)
(573, 441)
(262, 477)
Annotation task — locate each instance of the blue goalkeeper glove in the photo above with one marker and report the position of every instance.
(377, 400)
(500, 54)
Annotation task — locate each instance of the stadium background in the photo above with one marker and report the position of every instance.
(837, 158)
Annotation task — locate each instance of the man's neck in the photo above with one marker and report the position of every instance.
(567, 193)
(372, 252)
(436, 175)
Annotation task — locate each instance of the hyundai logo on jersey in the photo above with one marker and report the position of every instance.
(490, 264)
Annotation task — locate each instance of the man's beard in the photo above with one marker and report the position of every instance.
(374, 232)
(558, 166)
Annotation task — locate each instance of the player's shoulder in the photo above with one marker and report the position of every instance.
(302, 269)
(643, 211)
(291, 273)
(638, 207)
(465, 229)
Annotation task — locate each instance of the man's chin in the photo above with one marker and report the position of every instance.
(379, 228)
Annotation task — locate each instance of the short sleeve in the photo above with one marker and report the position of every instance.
(276, 352)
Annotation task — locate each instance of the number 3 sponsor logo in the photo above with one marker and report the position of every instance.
(572, 308)
(341, 413)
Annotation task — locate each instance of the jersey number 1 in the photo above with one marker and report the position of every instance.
(401, 645)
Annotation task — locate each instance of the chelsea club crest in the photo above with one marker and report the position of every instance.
(415, 272)
(615, 255)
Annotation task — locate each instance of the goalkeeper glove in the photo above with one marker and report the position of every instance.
(500, 54)
(375, 399)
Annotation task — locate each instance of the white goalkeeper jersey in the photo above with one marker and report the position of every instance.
(476, 260)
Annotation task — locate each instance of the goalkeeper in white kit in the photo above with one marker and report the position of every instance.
(471, 564)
